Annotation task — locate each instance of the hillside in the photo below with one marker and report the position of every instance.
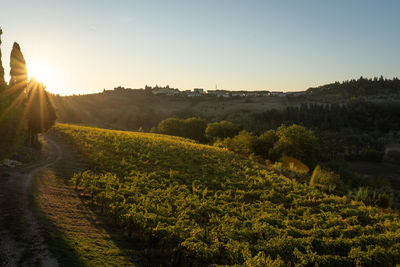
(134, 109)
(201, 205)
(129, 109)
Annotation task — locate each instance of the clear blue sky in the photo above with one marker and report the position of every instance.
(89, 45)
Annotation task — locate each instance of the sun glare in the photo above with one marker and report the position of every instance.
(41, 72)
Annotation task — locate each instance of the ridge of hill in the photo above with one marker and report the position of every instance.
(129, 109)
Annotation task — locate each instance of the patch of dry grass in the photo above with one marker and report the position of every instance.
(76, 234)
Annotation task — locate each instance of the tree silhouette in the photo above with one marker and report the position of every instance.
(40, 112)
(18, 73)
(2, 80)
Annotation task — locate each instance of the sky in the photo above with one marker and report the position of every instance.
(85, 46)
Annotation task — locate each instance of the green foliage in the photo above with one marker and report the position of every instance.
(241, 143)
(292, 173)
(172, 126)
(379, 197)
(12, 130)
(357, 88)
(195, 129)
(222, 130)
(204, 205)
(297, 142)
(192, 128)
(264, 144)
(370, 116)
(326, 180)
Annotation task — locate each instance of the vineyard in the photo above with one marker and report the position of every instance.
(203, 205)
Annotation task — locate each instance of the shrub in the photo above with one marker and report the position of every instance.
(297, 142)
(222, 129)
(264, 143)
(324, 179)
(172, 126)
(241, 143)
(193, 128)
(381, 198)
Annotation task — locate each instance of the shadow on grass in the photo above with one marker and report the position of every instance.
(137, 253)
(56, 241)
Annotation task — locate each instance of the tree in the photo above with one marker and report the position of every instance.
(3, 83)
(40, 112)
(297, 142)
(241, 143)
(172, 126)
(195, 129)
(192, 128)
(18, 73)
(263, 144)
(222, 129)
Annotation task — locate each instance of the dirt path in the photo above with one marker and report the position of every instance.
(21, 241)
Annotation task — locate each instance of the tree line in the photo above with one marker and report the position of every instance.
(356, 114)
(360, 87)
(25, 106)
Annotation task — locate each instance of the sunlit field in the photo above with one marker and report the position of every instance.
(201, 204)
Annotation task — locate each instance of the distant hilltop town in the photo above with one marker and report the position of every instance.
(168, 91)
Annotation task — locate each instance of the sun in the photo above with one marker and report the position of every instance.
(41, 72)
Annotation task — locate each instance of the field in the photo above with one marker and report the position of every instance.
(201, 205)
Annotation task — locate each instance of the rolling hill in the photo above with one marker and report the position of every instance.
(202, 205)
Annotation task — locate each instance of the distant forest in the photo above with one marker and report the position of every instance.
(356, 114)
(360, 87)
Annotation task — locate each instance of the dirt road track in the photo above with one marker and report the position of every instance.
(21, 241)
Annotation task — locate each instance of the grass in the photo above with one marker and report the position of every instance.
(74, 233)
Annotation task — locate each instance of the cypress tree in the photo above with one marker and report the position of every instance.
(18, 72)
(2, 80)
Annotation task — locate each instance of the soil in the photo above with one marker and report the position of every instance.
(21, 238)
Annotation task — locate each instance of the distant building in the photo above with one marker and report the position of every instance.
(238, 93)
(277, 94)
(199, 90)
(195, 92)
(219, 93)
(165, 91)
(244, 93)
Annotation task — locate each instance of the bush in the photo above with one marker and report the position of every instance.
(222, 129)
(326, 180)
(241, 143)
(297, 142)
(380, 198)
(172, 126)
(263, 144)
(193, 128)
